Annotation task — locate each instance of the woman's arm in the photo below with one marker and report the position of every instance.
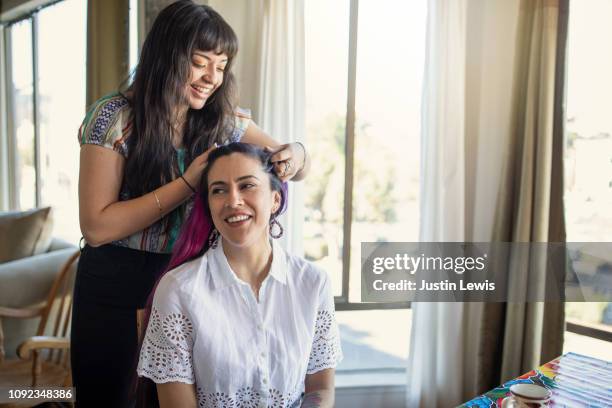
(176, 395)
(294, 151)
(319, 390)
(102, 216)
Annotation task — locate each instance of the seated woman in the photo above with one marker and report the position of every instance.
(237, 321)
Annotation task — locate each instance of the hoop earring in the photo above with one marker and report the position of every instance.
(274, 222)
(213, 238)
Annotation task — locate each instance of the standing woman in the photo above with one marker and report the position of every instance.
(142, 154)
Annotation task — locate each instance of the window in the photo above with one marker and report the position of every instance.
(364, 66)
(22, 86)
(47, 103)
(588, 165)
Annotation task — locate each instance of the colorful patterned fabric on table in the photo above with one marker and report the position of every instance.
(574, 380)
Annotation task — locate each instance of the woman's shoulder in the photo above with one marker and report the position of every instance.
(183, 279)
(304, 271)
(106, 122)
(242, 119)
(108, 105)
(242, 113)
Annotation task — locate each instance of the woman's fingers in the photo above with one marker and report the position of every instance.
(193, 174)
(285, 169)
(204, 156)
(281, 153)
(281, 159)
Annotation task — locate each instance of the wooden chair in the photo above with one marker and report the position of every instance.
(140, 322)
(44, 359)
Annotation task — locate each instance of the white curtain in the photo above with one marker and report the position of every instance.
(473, 107)
(465, 126)
(281, 98)
(436, 345)
(270, 73)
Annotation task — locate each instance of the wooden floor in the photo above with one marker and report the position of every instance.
(18, 373)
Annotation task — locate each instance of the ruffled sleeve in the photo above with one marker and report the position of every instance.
(326, 351)
(242, 118)
(167, 349)
(107, 124)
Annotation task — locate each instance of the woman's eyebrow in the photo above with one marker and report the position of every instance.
(223, 183)
(246, 177)
(199, 54)
(217, 183)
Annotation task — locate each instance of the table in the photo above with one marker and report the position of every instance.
(574, 380)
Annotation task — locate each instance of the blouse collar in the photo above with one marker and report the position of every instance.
(223, 275)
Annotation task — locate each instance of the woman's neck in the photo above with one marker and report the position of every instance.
(251, 264)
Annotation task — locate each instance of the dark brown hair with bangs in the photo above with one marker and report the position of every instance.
(158, 89)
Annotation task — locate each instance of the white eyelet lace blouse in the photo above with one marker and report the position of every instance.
(206, 327)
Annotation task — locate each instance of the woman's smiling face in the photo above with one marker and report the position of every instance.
(241, 200)
(205, 76)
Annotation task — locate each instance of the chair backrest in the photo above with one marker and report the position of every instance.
(140, 322)
(56, 316)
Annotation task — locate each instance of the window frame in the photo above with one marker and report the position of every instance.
(571, 325)
(342, 302)
(590, 330)
(9, 191)
(10, 199)
(7, 145)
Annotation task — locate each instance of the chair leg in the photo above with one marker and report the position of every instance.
(36, 368)
(68, 380)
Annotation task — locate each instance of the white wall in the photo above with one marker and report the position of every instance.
(368, 397)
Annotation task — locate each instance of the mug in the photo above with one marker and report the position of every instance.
(527, 396)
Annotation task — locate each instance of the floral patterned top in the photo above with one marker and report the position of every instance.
(108, 123)
(207, 328)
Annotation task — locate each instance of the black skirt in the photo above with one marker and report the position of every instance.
(112, 282)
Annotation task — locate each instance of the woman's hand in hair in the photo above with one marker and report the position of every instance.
(193, 174)
(290, 161)
(293, 151)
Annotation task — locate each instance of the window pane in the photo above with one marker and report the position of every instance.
(375, 339)
(587, 345)
(327, 37)
(21, 73)
(61, 53)
(588, 155)
(390, 63)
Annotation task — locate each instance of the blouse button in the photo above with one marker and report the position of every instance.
(265, 380)
(262, 404)
(259, 327)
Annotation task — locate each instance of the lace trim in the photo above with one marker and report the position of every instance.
(326, 351)
(248, 397)
(167, 349)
